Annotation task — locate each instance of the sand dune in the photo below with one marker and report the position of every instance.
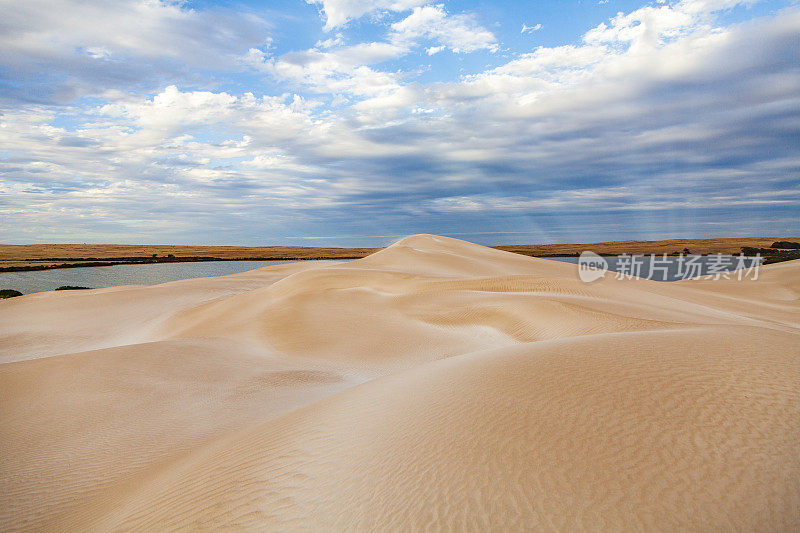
(435, 384)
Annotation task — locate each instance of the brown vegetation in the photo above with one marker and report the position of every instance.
(670, 246)
(45, 256)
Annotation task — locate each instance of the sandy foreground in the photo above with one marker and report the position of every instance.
(436, 384)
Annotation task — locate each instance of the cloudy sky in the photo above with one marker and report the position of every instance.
(352, 122)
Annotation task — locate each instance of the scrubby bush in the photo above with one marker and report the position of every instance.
(71, 288)
(9, 293)
(786, 245)
(771, 255)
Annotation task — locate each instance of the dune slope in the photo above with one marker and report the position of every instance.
(435, 384)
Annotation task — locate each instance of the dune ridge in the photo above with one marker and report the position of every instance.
(435, 384)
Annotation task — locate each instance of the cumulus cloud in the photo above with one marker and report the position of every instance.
(345, 72)
(349, 71)
(460, 33)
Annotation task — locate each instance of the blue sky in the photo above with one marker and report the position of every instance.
(354, 122)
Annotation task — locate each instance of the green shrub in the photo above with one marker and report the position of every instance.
(71, 288)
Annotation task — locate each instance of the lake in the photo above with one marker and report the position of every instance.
(153, 274)
(111, 276)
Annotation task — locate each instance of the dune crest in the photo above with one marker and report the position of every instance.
(434, 384)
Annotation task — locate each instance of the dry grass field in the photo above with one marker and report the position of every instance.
(670, 246)
(51, 255)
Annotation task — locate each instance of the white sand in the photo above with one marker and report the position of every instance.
(434, 385)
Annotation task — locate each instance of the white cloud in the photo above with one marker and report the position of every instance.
(339, 12)
(145, 28)
(349, 73)
(530, 29)
(652, 26)
(460, 33)
(337, 40)
(341, 71)
(172, 109)
(68, 48)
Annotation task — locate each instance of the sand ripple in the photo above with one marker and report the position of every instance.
(434, 385)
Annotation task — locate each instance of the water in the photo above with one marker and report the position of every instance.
(707, 265)
(110, 276)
